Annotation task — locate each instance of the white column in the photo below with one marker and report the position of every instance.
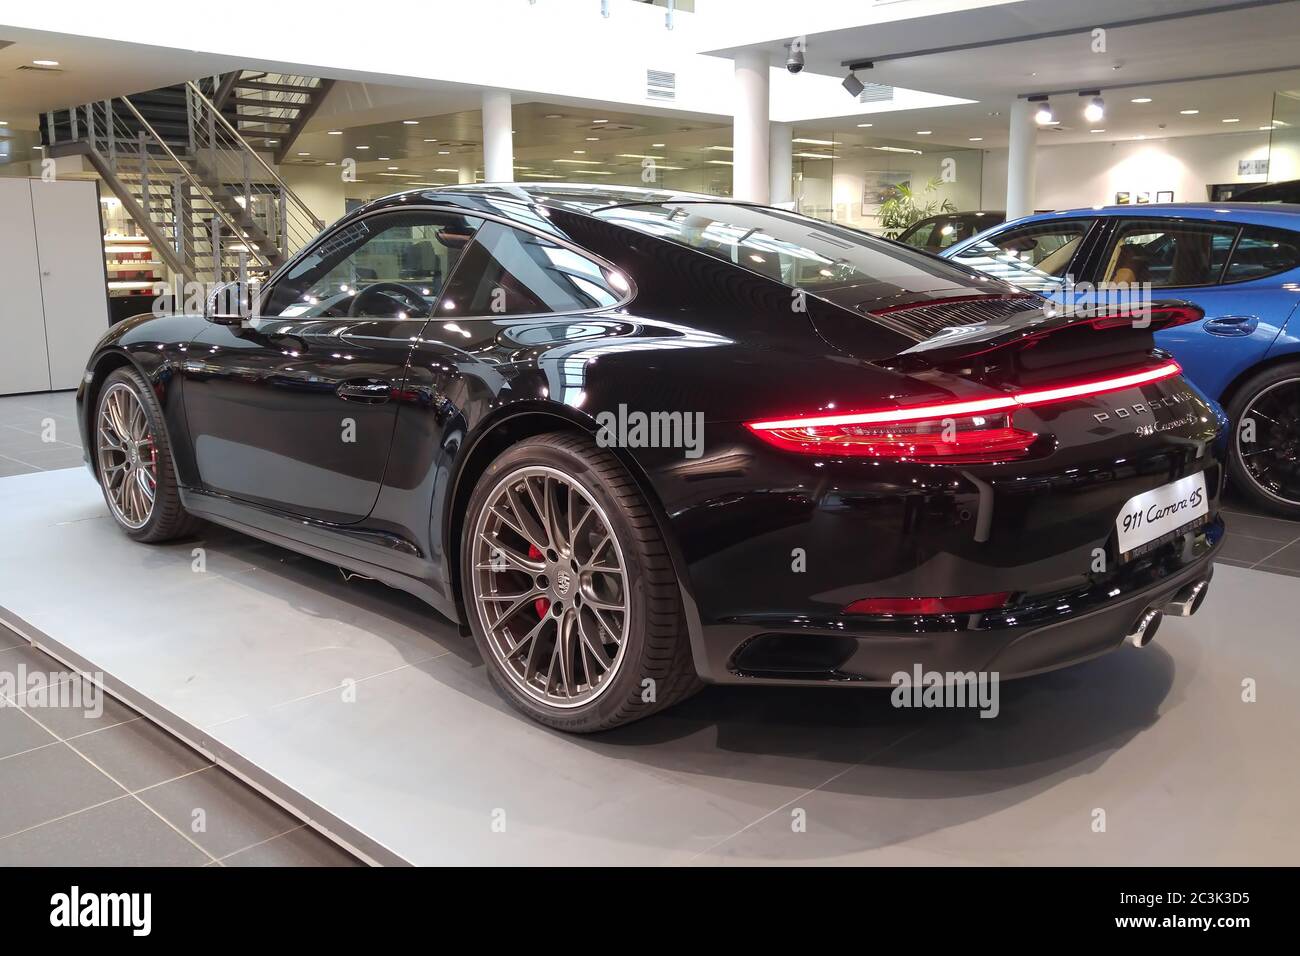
(466, 171)
(749, 128)
(498, 142)
(781, 189)
(1022, 157)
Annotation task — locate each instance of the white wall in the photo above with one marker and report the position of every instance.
(1090, 174)
(320, 187)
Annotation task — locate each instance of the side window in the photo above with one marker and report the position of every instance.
(392, 265)
(1263, 252)
(508, 271)
(1169, 254)
(1035, 257)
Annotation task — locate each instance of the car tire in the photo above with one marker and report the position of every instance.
(1279, 388)
(558, 584)
(133, 456)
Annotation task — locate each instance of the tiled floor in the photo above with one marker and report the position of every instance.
(38, 433)
(92, 783)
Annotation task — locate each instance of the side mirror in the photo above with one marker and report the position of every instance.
(231, 303)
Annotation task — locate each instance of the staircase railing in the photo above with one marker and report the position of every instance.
(240, 171)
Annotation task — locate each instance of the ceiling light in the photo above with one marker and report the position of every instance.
(656, 145)
(457, 170)
(853, 85)
(4, 122)
(335, 132)
(1044, 115)
(864, 125)
(593, 139)
(1140, 99)
(1189, 112)
(554, 116)
(600, 121)
(410, 122)
(1096, 131)
(977, 139)
(1232, 120)
(580, 162)
(579, 152)
(45, 62)
(720, 162)
(444, 152)
(727, 149)
(393, 167)
(1266, 129)
(639, 156)
(304, 154)
(897, 149)
(384, 158)
(814, 155)
(816, 142)
(1095, 110)
(924, 132)
(361, 147)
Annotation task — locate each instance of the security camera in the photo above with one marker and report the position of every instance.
(794, 61)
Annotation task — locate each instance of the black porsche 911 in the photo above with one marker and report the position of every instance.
(635, 441)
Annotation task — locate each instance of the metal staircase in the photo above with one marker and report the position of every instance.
(270, 109)
(210, 204)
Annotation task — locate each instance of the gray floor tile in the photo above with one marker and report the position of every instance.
(1288, 558)
(19, 662)
(18, 733)
(1248, 550)
(49, 783)
(69, 716)
(1273, 569)
(1262, 526)
(233, 816)
(121, 833)
(138, 754)
(302, 847)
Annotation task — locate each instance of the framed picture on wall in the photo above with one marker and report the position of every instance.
(878, 186)
(1143, 198)
(1165, 195)
(1122, 199)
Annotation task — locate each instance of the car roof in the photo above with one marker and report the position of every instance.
(583, 197)
(1282, 215)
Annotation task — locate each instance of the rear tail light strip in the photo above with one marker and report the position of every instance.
(972, 430)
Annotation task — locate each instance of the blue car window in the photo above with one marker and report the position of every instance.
(1263, 252)
(1169, 253)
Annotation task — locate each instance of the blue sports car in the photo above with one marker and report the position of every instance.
(1239, 262)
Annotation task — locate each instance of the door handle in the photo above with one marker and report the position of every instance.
(367, 390)
(1232, 324)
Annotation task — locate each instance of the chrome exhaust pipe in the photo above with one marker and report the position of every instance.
(1189, 600)
(1144, 630)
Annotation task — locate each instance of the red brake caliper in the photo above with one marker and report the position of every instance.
(541, 605)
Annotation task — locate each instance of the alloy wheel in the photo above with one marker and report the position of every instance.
(128, 456)
(550, 586)
(1272, 460)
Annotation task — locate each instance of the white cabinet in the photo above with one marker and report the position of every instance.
(55, 305)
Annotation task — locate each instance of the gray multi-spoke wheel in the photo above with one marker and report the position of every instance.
(572, 599)
(133, 460)
(128, 456)
(550, 586)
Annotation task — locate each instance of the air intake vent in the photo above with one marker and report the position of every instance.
(876, 93)
(660, 85)
(929, 318)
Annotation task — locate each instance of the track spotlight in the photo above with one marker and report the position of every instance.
(853, 85)
(1044, 116)
(1095, 111)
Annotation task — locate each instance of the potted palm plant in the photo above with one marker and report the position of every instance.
(905, 207)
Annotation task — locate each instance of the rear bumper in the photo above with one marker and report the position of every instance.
(1053, 632)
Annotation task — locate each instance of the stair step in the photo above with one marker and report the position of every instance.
(277, 87)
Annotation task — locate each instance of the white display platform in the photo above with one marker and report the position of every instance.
(250, 659)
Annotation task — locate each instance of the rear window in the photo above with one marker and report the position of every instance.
(1263, 252)
(846, 266)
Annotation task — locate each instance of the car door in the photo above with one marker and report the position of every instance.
(1038, 256)
(295, 409)
(1214, 265)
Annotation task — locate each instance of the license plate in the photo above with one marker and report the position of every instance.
(1153, 517)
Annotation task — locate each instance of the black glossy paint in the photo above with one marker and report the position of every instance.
(255, 416)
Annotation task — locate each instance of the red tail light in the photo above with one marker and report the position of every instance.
(965, 604)
(957, 431)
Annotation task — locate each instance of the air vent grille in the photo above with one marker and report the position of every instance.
(660, 85)
(876, 93)
(928, 319)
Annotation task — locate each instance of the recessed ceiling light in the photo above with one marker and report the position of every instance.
(304, 154)
(1096, 131)
(1189, 112)
(45, 62)
(593, 139)
(382, 158)
(444, 152)
(600, 121)
(864, 125)
(579, 152)
(410, 122)
(363, 147)
(924, 132)
(720, 162)
(336, 132)
(331, 164)
(977, 139)
(431, 141)
(1141, 99)
(656, 145)
(554, 116)
(1266, 129)
(391, 168)
(272, 142)
(816, 142)
(4, 122)
(1233, 119)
